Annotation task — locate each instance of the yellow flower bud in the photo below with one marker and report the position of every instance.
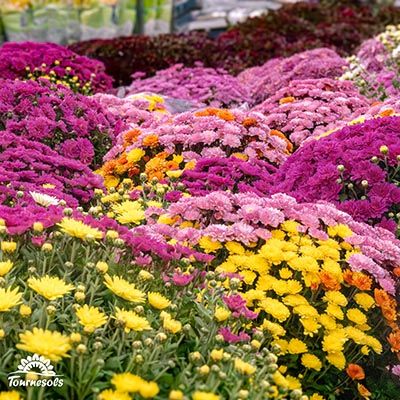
(25, 310)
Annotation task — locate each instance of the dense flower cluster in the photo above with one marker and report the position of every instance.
(234, 174)
(266, 80)
(308, 275)
(201, 236)
(124, 56)
(356, 168)
(375, 67)
(189, 136)
(307, 108)
(41, 175)
(121, 318)
(30, 60)
(74, 125)
(341, 26)
(205, 86)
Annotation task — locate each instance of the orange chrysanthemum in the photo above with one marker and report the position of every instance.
(249, 122)
(357, 279)
(285, 100)
(329, 281)
(364, 392)
(355, 372)
(130, 137)
(150, 141)
(394, 341)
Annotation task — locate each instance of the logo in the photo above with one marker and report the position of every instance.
(35, 371)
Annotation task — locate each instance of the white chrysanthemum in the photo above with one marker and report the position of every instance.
(44, 200)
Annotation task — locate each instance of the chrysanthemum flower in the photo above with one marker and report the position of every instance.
(129, 212)
(11, 395)
(113, 395)
(157, 300)
(124, 289)
(52, 345)
(127, 382)
(78, 229)
(9, 298)
(244, 367)
(132, 320)
(311, 361)
(5, 267)
(50, 287)
(204, 396)
(91, 318)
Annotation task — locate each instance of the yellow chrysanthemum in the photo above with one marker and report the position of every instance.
(9, 298)
(5, 267)
(79, 230)
(157, 300)
(132, 321)
(273, 328)
(8, 247)
(244, 367)
(127, 382)
(52, 345)
(91, 318)
(296, 346)
(204, 396)
(311, 361)
(11, 395)
(217, 355)
(175, 395)
(317, 396)
(364, 300)
(135, 155)
(334, 341)
(129, 212)
(356, 316)
(221, 314)
(335, 297)
(209, 245)
(235, 248)
(310, 326)
(337, 359)
(171, 325)
(113, 395)
(340, 230)
(276, 309)
(50, 287)
(124, 289)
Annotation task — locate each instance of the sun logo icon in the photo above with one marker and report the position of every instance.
(34, 370)
(35, 363)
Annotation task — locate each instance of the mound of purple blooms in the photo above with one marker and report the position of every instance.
(233, 174)
(18, 60)
(29, 169)
(76, 126)
(266, 80)
(307, 108)
(375, 70)
(205, 86)
(355, 168)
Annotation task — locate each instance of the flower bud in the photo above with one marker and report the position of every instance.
(384, 149)
(81, 348)
(98, 345)
(51, 309)
(137, 344)
(79, 296)
(204, 370)
(25, 311)
(47, 247)
(340, 168)
(139, 358)
(243, 394)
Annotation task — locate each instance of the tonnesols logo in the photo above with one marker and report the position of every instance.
(34, 371)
